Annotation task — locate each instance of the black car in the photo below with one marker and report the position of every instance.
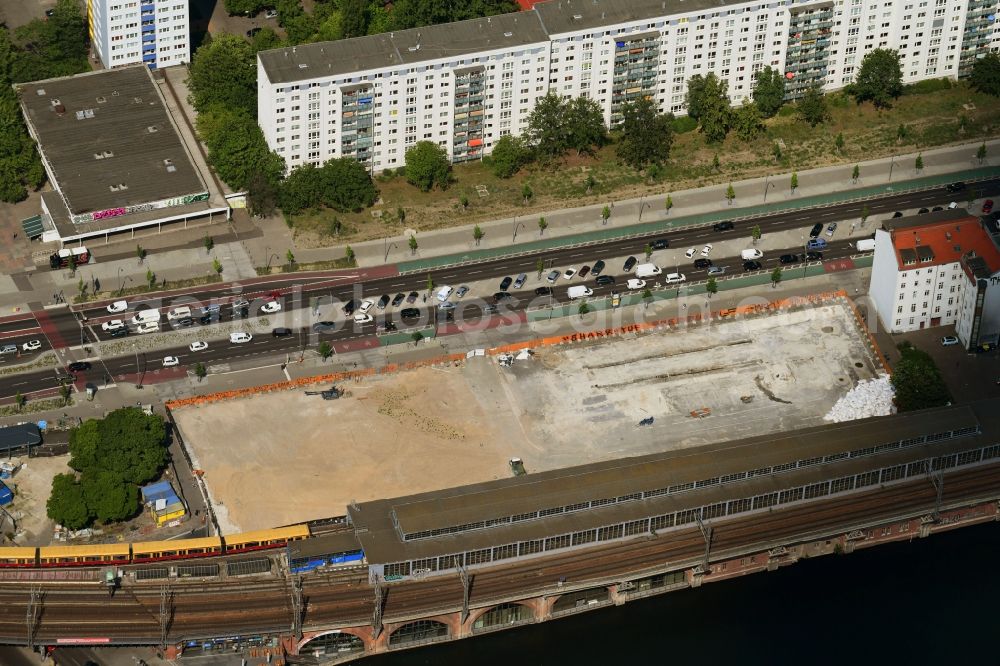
(814, 256)
(400, 297)
(350, 306)
(788, 258)
(500, 296)
(816, 230)
(543, 291)
(280, 332)
(409, 313)
(253, 31)
(119, 332)
(385, 327)
(922, 211)
(660, 244)
(937, 209)
(384, 301)
(185, 322)
(701, 262)
(956, 187)
(207, 319)
(897, 214)
(724, 226)
(505, 283)
(49, 13)
(752, 265)
(598, 268)
(412, 298)
(324, 327)
(583, 271)
(630, 264)
(78, 366)
(241, 313)
(604, 280)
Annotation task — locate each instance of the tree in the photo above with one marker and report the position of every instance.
(82, 287)
(223, 73)
(917, 381)
(342, 184)
(477, 234)
(605, 214)
(289, 257)
(919, 163)
(981, 153)
(65, 392)
(542, 225)
(209, 243)
(416, 336)
(150, 278)
(865, 212)
(755, 233)
(669, 203)
(413, 244)
(66, 504)
(20, 400)
(126, 441)
(583, 309)
(708, 102)
(901, 133)
(768, 91)
(325, 350)
(855, 173)
(775, 277)
(776, 151)
(648, 250)
(645, 135)
(463, 201)
(546, 130)
(589, 182)
(812, 107)
(140, 252)
(20, 166)
(236, 147)
(795, 181)
(839, 141)
(349, 254)
(693, 100)
(109, 498)
(539, 266)
(526, 193)
(200, 371)
(985, 76)
(430, 284)
(747, 121)
(711, 287)
(585, 130)
(353, 18)
(427, 165)
(879, 79)
(400, 214)
(647, 297)
(216, 265)
(730, 194)
(262, 195)
(716, 165)
(508, 156)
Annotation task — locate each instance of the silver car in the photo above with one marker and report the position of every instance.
(521, 279)
(553, 276)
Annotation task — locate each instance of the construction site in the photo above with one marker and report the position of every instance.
(671, 386)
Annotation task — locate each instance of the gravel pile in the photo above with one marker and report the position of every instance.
(871, 397)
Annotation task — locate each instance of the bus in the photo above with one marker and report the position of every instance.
(60, 259)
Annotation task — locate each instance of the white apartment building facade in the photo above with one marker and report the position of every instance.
(612, 51)
(938, 269)
(128, 32)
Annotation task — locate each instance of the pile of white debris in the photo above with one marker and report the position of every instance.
(869, 398)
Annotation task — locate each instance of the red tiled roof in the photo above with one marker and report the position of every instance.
(948, 241)
(525, 5)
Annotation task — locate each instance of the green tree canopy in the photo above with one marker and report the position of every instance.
(879, 79)
(109, 498)
(416, 13)
(126, 442)
(585, 125)
(508, 156)
(917, 381)
(556, 125)
(708, 97)
(223, 72)
(244, 7)
(236, 148)
(747, 121)
(646, 136)
(353, 18)
(812, 107)
(985, 75)
(57, 46)
(427, 165)
(66, 504)
(768, 91)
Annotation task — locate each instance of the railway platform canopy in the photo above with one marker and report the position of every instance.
(641, 496)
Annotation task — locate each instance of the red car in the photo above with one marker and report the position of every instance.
(987, 206)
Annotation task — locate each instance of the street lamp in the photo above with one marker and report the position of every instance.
(767, 185)
(892, 163)
(516, 225)
(122, 287)
(643, 205)
(388, 246)
(273, 255)
(138, 381)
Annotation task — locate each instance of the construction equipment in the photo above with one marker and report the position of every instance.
(331, 393)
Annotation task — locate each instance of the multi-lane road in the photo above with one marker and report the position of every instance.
(81, 326)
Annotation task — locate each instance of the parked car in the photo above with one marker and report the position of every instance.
(208, 319)
(198, 345)
(604, 280)
(831, 229)
(253, 31)
(937, 209)
(629, 264)
(170, 361)
(521, 279)
(956, 186)
(635, 283)
(240, 337)
(350, 306)
(121, 332)
(505, 283)
(674, 278)
(501, 296)
(78, 366)
(752, 265)
(598, 268)
(281, 332)
(569, 273)
(31, 345)
(324, 327)
(953, 205)
(399, 298)
(385, 327)
(271, 307)
(897, 214)
(987, 206)
(543, 291)
(707, 250)
(584, 270)
(691, 252)
(118, 306)
(366, 305)
(660, 244)
(412, 297)
(409, 313)
(949, 340)
(112, 325)
(923, 210)
(461, 291)
(146, 327)
(816, 230)
(788, 259)
(183, 322)
(716, 270)
(816, 244)
(444, 293)
(702, 263)
(814, 256)
(362, 318)
(724, 226)
(447, 305)
(553, 276)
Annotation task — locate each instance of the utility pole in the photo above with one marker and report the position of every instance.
(34, 610)
(166, 611)
(466, 588)
(379, 605)
(937, 479)
(297, 610)
(706, 533)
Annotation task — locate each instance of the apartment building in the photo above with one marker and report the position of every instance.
(938, 269)
(128, 32)
(464, 85)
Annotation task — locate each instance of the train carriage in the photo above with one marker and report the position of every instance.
(19, 556)
(261, 539)
(155, 551)
(78, 556)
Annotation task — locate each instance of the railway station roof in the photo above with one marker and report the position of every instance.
(20, 436)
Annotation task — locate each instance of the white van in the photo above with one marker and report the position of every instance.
(647, 270)
(182, 312)
(146, 316)
(865, 245)
(750, 255)
(579, 291)
(444, 292)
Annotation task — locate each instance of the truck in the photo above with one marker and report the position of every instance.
(60, 259)
(579, 291)
(647, 270)
(865, 245)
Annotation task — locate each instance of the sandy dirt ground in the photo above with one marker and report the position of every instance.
(33, 484)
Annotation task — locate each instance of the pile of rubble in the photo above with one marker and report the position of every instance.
(871, 397)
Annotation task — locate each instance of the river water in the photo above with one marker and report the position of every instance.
(929, 601)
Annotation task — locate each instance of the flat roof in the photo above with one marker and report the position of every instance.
(564, 16)
(402, 47)
(375, 522)
(120, 116)
(327, 544)
(944, 237)
(19, 436)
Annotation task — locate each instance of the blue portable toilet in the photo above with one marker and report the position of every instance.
(6, 495)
